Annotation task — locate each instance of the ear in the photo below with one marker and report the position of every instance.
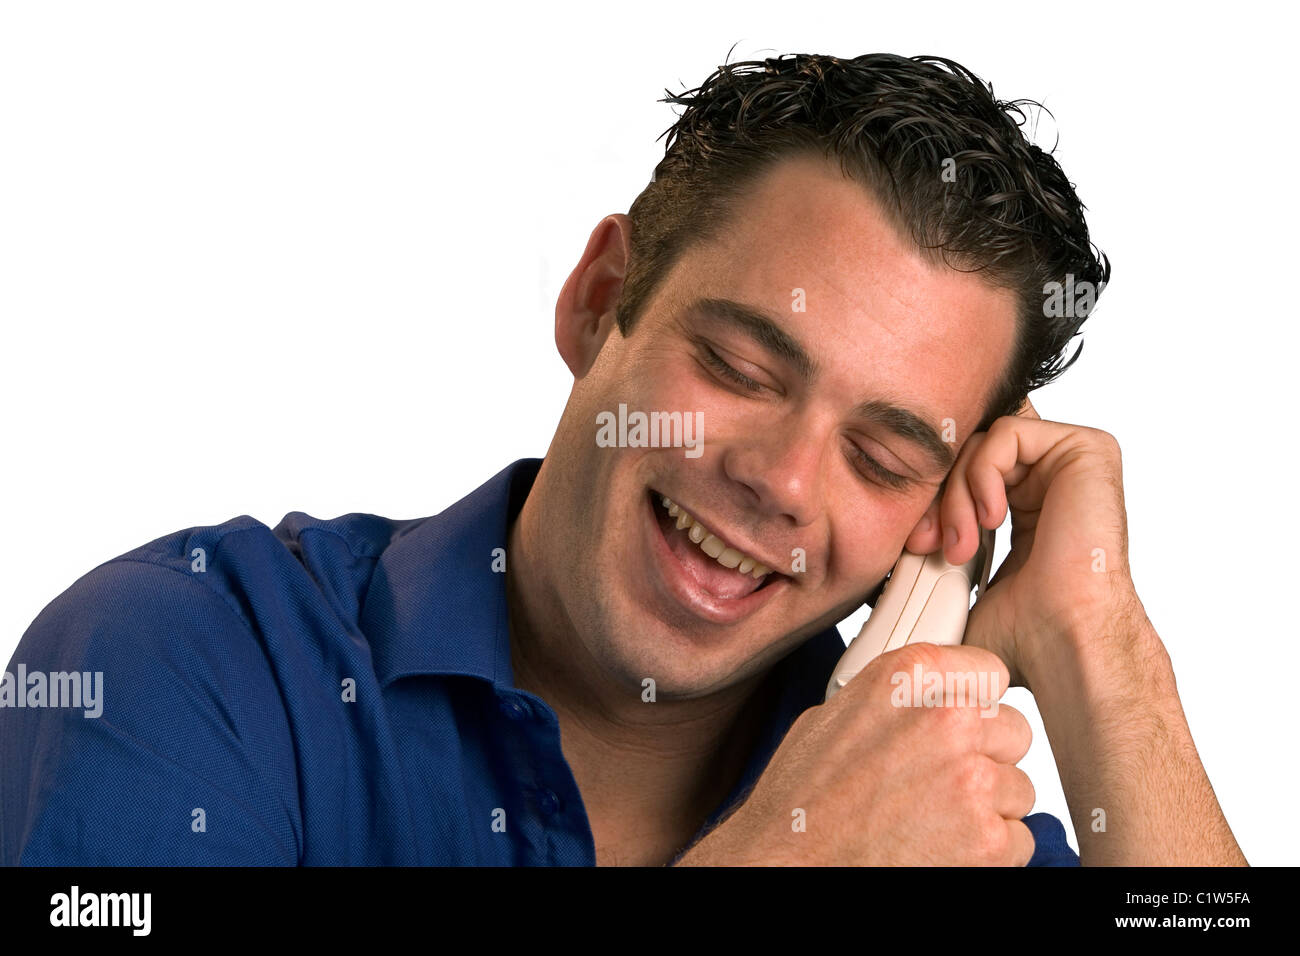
(927, 535)
(584, 313)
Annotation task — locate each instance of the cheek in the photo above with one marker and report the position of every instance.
(675, 383)
(664, 376)
(868, 535)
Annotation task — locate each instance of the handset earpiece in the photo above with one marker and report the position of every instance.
(924, 599)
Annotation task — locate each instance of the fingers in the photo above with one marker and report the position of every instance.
(961, 508)
(1014, 794)
(1005, 789)
(950, 662)
(1020, 842)
(1006, 736)
(973, 682)
(976, 492)
(1005, 796)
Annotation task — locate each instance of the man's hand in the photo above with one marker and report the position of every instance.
(1067, 575)
(861, 780)
(1063, 614)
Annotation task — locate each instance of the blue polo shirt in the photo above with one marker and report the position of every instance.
(323, 693)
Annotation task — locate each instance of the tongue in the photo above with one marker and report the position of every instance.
(713, 577)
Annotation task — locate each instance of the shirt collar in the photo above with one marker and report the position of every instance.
(436, 606)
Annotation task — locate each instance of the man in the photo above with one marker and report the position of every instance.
(829, 301)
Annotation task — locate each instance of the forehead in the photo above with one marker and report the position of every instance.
(877, 317)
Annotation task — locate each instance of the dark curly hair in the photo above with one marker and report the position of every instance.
(1005, 209)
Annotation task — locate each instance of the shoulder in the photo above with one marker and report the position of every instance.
(178, 715)
(162, 625)
(233, 571)
(227, 597)
(206, 654)
(148, 599)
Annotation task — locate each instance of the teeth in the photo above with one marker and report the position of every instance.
(729, 558)
(714, 546)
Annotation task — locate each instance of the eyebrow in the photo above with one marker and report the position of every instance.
(763, 329)
(767, 332)
(911, 427)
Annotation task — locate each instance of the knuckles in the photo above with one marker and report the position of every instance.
(928, 656)
(976, 776)
(958, 724)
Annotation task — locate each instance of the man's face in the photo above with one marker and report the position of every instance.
(785, 475)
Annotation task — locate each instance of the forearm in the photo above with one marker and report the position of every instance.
(1110, 707)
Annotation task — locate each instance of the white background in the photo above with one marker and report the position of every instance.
(269, 257)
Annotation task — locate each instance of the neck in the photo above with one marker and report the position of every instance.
(649, 774)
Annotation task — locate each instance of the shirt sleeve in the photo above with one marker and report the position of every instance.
(179, 750)
(1050, 846)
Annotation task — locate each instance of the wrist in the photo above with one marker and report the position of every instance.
(1101, 650)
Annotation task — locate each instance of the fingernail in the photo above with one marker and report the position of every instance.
(949, 537)
(924, 526)
(984, 515)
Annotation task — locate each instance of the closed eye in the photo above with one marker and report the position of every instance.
(881, 473)
(714, 361)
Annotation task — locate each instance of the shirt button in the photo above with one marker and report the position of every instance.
(548, 802)
(514, 709)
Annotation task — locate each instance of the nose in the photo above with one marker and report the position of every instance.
(780, 467)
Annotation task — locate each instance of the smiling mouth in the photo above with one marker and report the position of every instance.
(723, 571)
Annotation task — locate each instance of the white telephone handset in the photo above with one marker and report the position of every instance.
(925, 599)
